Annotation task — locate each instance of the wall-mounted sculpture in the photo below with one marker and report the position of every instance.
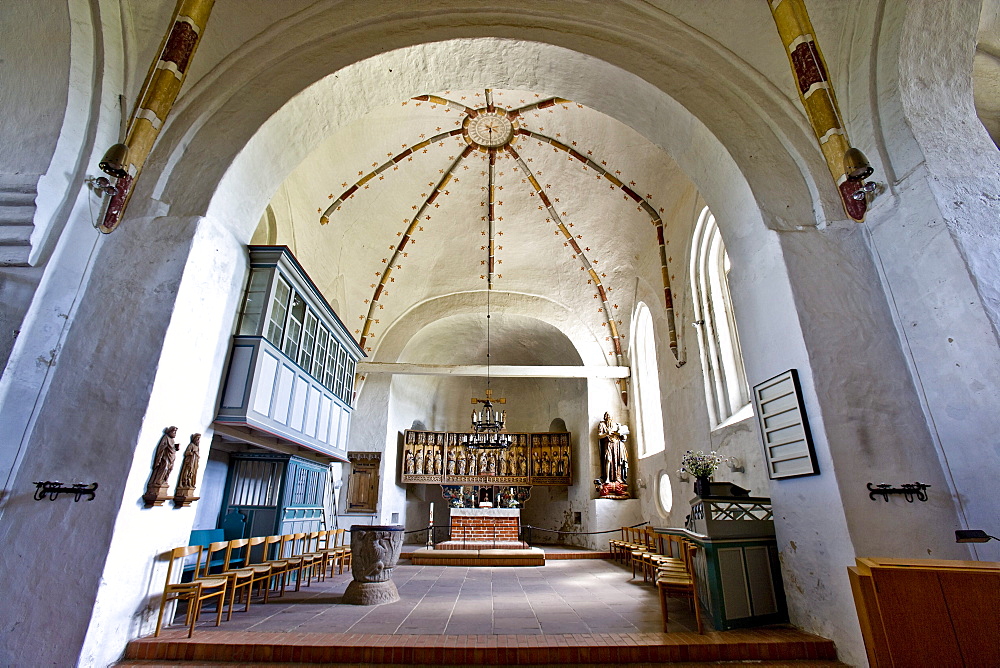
(188, 478)
(163, 464)
(613, 483)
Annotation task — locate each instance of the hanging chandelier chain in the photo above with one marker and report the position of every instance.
(488, 423)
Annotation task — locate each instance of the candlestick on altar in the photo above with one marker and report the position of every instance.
(430, 528)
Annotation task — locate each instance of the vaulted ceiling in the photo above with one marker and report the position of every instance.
(396, 211)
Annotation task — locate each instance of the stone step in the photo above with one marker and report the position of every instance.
(531, 556)
(777, 645)
(685, 664)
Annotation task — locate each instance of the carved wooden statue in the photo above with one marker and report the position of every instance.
(163, 464)
(188, 478)
(615, 458)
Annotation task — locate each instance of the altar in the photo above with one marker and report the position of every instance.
(481, 537)
(484, 528)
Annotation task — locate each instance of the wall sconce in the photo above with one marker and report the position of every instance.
(115, 161)
(973, 536)
(735, 464)
(101, 185)
(683, 476)
(857, 168)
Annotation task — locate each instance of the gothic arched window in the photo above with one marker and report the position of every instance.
(646, 383)
(725, 380)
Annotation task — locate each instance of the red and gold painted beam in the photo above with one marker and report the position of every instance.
(641, 204)
(159, 91)
(385, 276)
(817, 95)
(391, 162)
(434, 99)
(585, 264)
(543, 104)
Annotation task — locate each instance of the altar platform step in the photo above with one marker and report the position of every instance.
(552, 552)
(531, 556)
(481, 545)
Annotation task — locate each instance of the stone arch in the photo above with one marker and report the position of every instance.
(284, 70)
(543, 309)
(740, 140)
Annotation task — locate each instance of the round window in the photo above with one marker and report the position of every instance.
(665, 494)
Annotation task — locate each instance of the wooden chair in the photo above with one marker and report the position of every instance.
(340, 551)
(318, 548)
(261, 568)
(207, 561)
(273, 550)
(238, 578)
(614, 544)
(668, 553)
(617, 546)
(290, 553)
(333, 548)
(670, 582)
(194, 592)
(345, 550)
(300, 559)
(644, 550)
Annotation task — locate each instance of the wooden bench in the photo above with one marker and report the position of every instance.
(205, 537)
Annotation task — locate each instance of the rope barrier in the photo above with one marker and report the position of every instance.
(582, 533)
(528, 526)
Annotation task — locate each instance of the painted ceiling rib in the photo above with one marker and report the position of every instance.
(578, 252)
(507, 371)
(384, 277)
(394, 160)
(434, 99)
(543, 104)
(642, 205)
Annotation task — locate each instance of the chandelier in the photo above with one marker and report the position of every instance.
(487, 425)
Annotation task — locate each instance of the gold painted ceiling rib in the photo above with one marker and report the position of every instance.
(434, 99)
(542, 104)
(579, 254)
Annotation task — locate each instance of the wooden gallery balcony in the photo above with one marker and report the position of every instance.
(290, 375)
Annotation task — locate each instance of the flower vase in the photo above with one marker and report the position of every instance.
(703, 486)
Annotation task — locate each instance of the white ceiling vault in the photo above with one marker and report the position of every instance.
(392, 213)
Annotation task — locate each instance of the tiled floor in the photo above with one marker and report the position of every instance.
(564, 596)
(573, 612)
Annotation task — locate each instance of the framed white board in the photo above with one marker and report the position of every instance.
(784, 428)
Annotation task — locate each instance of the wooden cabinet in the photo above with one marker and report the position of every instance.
(932, 613)
(739, 575)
